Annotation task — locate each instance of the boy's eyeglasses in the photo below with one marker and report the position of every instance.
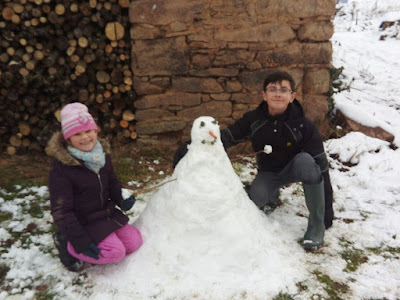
(274, 90)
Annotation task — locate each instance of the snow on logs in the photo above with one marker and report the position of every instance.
(53, 52)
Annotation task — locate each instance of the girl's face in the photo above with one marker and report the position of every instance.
(84, 140)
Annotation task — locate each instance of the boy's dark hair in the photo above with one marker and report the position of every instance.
(279, 77)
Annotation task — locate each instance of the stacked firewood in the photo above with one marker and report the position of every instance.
(53, 52)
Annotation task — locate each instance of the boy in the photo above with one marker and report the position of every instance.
(297, 154)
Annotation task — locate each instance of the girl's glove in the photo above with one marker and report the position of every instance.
(92, 251)
(127, 203)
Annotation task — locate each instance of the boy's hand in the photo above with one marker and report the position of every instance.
(180, 153)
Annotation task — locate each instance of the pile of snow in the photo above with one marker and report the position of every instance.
(204, 237)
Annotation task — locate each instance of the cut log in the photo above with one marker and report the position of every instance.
(15, 141)
(102, 77)
(126, 133)
(133, 135)
(24, 128)
(24, 72)
(11, 150)
(124, 124)
(7, 13)
(83, 42)
(128, 116)
(60, 9)
(123, 3)
(114, 31)
(26, 142)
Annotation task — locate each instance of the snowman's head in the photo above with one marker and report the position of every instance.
(205, 130)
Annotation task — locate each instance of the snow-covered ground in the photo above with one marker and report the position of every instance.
(369, 64)
(361, 258)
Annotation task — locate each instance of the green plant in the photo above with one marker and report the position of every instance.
(301, 286)
(5, 216)
(45, 294)
(336, 86)
(3, 272)
(24, 171)
(354, 258)
(36, 210)
(298, 191)
(387, 252)
(281, 296)
(333, 288)
(238, 168)
(139, 165)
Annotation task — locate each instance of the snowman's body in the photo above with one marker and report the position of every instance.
(205, 181)
(202, 228)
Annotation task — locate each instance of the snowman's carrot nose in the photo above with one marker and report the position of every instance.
(212, 134)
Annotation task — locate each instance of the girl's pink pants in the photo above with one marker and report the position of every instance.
(114, 247)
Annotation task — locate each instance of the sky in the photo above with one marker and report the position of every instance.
(209, 242)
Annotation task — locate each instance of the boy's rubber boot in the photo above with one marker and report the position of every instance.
(71, 263)
(315, 201)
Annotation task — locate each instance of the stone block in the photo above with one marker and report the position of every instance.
(167, 56)
(148, 114)
(221, 96)
(316, 31)
(237, 58)
(161, 12)
(168, 139)
(272, 33)
(315, 107)
(289, 9)
(152, 127)
(316, 82)
(215, 72)
(168, 99)
(233, 86)
(284, 56)
(201, 61)
(196, 85)
(216, 109)
(147, 87)
(145, 32)
(247, 98)
(317, 53)
(253, 81)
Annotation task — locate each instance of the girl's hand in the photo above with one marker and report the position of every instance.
(92, 251)
(126, 204)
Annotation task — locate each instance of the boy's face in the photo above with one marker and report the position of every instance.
(84, 140)
(279, 99)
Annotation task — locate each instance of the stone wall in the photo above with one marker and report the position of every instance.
(210, 57)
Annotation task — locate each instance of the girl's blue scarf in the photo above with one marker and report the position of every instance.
(94, 159)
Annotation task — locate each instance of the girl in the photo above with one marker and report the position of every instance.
(84, 193)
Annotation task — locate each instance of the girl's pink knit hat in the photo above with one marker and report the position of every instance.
(75, 118)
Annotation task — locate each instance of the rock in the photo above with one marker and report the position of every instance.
(375, 132)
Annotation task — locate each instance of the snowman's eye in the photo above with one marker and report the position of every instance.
(214, 122)
(202, 124)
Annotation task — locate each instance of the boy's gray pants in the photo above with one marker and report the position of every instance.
(265, 187)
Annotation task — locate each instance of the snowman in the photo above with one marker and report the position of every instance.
(204, 236)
